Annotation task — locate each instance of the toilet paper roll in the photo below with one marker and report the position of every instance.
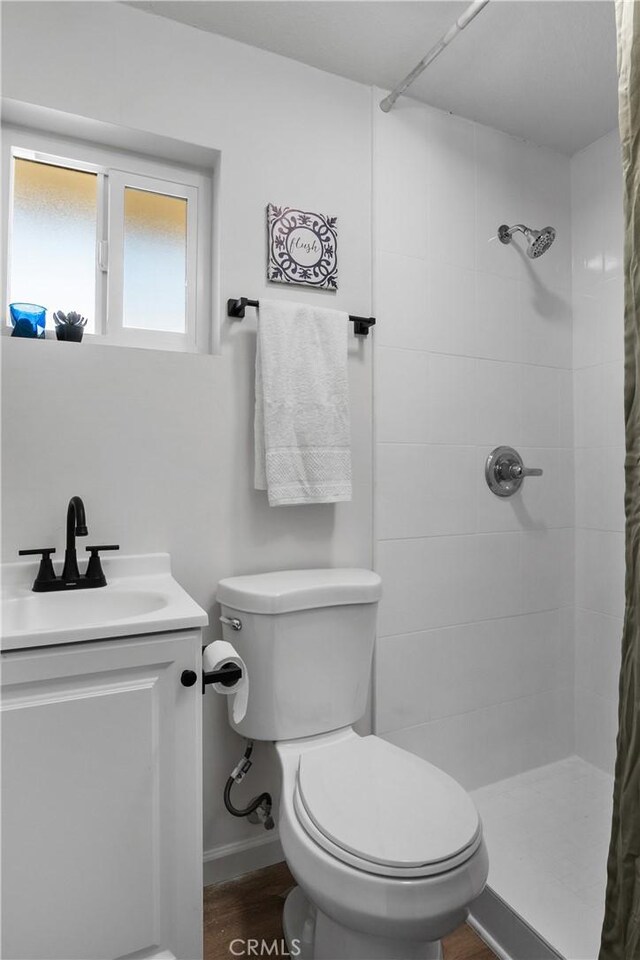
(214, 656)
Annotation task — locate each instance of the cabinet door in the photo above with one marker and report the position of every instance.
(101, 801)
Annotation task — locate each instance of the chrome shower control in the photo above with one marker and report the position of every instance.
(504, 471)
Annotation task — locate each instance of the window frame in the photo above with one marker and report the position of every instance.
(133, 336)
(116, 169)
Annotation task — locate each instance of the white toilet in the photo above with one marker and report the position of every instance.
(386, 848)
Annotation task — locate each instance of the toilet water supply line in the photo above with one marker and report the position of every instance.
(463, 21)
(257, 810)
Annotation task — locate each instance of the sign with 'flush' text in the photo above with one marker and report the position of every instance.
(303, 247)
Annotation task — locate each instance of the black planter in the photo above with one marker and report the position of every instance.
(66, 332)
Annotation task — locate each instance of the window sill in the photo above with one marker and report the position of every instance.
(95, 340)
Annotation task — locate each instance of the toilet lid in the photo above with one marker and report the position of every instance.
(384, 806)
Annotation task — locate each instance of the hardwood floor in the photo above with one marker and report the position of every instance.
(251, 908)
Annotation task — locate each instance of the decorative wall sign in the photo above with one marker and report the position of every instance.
(303, 247)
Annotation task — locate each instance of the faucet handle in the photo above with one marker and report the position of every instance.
(46, 573)
(94, 567)
(44, 551)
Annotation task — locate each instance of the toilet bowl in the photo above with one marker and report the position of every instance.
(387, 849)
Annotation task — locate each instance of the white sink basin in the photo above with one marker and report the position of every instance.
(141, 596)
(51, 611)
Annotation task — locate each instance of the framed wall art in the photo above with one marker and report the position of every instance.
(302, 247)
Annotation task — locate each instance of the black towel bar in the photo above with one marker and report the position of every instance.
(236, 308)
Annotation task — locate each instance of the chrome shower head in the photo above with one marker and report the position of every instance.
(539, 240)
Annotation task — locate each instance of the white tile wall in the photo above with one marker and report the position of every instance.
(547, 569)
(451, 209)
(403, 375)
(439, 673)
(474, 350)
(600, 488)
(497, 403)
(452, 389)
(486, 745)
(422, 490)
(401, 206)
(599, 416)
(402, 301)
(600, 571)
(437, 581)
(449, 325)
(499, 333)
(481, 346)
(598, 295)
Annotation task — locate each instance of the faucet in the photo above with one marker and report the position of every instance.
(71, 577)
(76, 527)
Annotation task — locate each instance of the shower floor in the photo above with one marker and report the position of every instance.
(547, 832)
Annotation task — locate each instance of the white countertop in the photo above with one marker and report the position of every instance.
(141, 597)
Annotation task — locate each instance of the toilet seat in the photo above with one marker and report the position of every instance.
(383, 810)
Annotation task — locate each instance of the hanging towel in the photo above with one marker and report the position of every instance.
(302, 429)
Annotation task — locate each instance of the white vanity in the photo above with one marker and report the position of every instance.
(101, 767)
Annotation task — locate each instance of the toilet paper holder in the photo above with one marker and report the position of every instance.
(228, 675)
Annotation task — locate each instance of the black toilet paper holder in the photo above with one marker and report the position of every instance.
(228, 675)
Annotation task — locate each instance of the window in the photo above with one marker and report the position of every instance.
(119, 238)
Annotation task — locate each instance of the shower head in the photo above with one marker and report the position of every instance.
(539, 240)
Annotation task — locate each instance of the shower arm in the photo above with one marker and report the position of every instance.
(463, 21)
(518, 228)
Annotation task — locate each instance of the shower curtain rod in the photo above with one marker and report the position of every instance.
(472, 11)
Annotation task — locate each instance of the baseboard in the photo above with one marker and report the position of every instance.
(505, 932)
(234, 859)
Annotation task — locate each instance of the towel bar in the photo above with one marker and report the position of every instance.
(236, 308)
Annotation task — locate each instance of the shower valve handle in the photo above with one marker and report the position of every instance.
(504, 471)
(518, 470)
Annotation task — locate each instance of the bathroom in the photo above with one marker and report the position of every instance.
(497, 650)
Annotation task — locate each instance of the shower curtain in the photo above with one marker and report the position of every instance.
(621, 929)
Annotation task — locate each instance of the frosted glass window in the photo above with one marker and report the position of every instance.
(155, 261)
(53, 240)
(125, 240)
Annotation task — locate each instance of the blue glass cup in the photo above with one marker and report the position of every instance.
(28, 319)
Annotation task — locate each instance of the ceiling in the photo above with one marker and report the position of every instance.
(544, 70)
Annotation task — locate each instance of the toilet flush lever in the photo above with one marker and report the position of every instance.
(232, 622)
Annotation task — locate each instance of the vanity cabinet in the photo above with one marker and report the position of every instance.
(101, 800)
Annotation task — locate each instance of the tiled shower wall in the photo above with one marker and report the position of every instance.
(474, 665)
(598, 294)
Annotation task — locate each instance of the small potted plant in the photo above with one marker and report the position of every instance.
(69, 326)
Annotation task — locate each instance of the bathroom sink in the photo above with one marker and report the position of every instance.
(141, 596)
(52, 610)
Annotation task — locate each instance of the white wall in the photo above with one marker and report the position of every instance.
(474, 667)
(598, 295)
(159, 444)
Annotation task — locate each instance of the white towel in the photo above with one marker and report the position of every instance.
(302, 429)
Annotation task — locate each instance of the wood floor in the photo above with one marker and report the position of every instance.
(251, 908)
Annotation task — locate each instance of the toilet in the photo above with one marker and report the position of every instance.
(387, 850)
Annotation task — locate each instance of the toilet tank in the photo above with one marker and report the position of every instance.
(307, 640)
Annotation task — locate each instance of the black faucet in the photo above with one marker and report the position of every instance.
(71, 578)
(76, 527)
